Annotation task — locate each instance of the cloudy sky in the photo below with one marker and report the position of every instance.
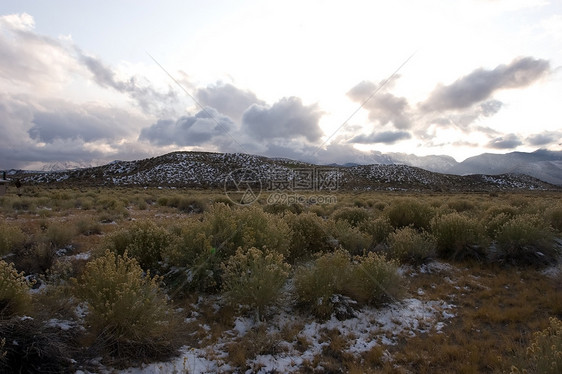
(321, 81)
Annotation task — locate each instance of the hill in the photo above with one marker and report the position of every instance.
(212, 170)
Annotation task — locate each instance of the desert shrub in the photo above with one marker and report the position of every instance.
(553, 216)
(280, 208)
(205, 243)
(14, 291)
(60, 234)
(495, 216)
(107, 203)
(191, 205)
(195, 263)
(88, 226)
(374, 279)
(36, 257)
(544, 354)
(353, 216)
(378, 229)
(348, 237)
(23, 204)
(127, 311)
(11, 238)
(526, 239)
(31, 346)
(253, 278)
(460, 205)
(458, 237)
(410, 246)
(494, 223)
(309, 235)
(409, 212)
(144, 240)
(260, 229)
(184, 203)
(315, 283)
(222, 200)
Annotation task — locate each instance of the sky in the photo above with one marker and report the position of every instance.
(85, 83)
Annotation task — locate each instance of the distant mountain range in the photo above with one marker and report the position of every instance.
(541, 164)
(211, 170)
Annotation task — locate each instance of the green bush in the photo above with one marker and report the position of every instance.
(317, 282)
(353, 216)
(526, 239)
(254, 278)
(14, 291)
(348, 237)
(544, 354)
(458, 237)
(59, 234)
(374, 280)
(127, 311)
(370, 279)
(378, 229)
(11, 238)
(144, 240)
(88, 226)
(409, 212)
(410, 246)
(310, 235)
(205, 243)
(553, 215)
(460, 205)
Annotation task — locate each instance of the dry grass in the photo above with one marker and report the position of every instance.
(498, 308)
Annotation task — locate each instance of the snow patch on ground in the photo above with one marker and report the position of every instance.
(369, 328)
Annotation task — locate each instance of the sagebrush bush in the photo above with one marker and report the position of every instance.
(14, 291)
(60, 234)
(526, 239)
(458, 237)
(11, 238)
(410, 246)
(31, 346)
(544, 354)
(205, 243)
(88, 226)
(309, 236)
(460, 205)
(353, 216)
(374, 279)
(553, 216)
(348, 237)
(254, 278)
(127, 311)
(409, 212)
(144, 240)
(378, 229)
(315, 283)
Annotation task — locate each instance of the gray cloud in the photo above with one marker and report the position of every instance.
(227, 99)
(288, 118)
(545, 138)
(31, 59)
(386, 137)
(139, 89)
(49, 131)
(479, 85)
(201, 128)
(89, 122)
(383, 107)
(508, 141)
